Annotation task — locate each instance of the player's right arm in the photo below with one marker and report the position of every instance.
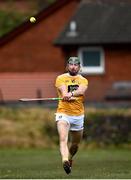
(62, 88)
(65, 95)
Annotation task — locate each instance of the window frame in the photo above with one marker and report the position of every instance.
(92, 70)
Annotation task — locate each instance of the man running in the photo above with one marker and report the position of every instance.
(71, 86)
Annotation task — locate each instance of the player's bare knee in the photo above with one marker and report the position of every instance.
(63, 139)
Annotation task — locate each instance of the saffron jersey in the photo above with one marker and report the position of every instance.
(75, 107)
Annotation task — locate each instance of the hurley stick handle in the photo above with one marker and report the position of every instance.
(44, 99)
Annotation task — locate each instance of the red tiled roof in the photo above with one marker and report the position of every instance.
(14, 86)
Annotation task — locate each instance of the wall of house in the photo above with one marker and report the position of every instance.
(117, 68)
(33, 50)
(14, 86)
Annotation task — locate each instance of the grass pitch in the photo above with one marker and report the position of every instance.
(46, 164)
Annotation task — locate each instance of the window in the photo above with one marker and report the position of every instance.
(92, 60)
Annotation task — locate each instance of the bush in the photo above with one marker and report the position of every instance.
(106, 127)
(35, 127)
(9, 20)
(27, 127)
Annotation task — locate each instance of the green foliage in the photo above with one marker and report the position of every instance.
(10, 20)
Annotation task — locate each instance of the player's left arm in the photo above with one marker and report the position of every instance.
(81, 88)
(80, 91)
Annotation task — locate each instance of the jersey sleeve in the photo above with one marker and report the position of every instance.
(59, 82)
(84, 82)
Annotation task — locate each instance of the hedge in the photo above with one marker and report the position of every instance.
(107, 127)
(35, 127)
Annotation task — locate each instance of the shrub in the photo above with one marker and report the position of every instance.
(35, 127)
(9, 20)
(107, 127)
